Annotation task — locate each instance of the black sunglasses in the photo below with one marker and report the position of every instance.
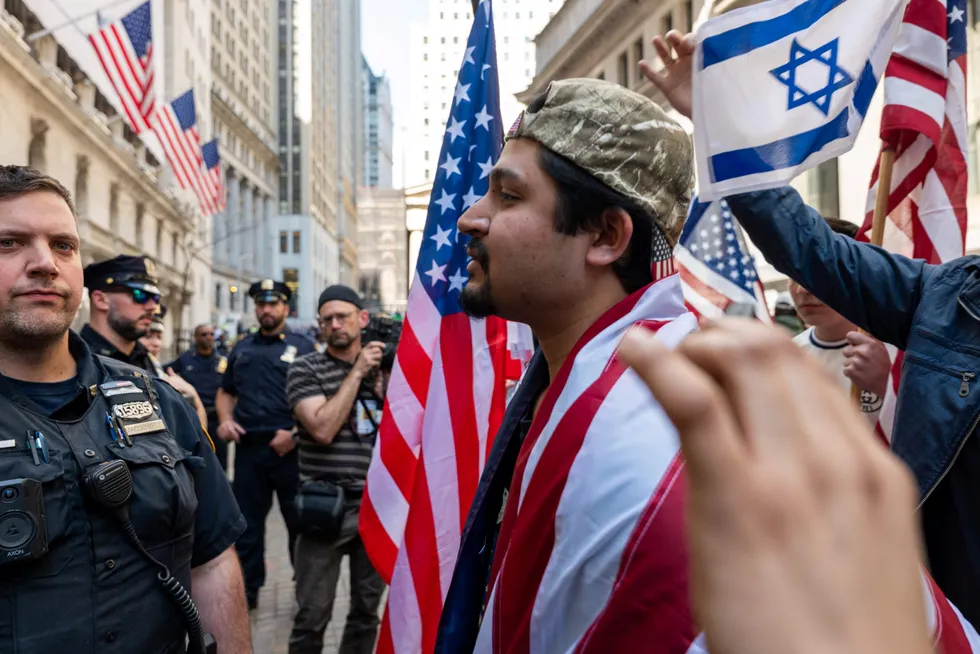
(139, 295)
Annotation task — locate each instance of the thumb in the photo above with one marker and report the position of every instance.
(859, 338)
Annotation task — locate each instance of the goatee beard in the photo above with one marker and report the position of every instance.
(477, 302)
(127, 330)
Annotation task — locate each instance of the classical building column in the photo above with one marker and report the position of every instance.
(232, 216)
(248, 225)
(270, 237)
(256, 234)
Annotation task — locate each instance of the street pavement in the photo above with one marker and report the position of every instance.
(273, 619)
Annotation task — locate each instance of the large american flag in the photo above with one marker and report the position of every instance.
(125, 49)
(924, 121)
(715, 266)
(446, 395)
(212, 164)
(175, 124)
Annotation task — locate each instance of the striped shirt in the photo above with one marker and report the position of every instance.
(345, 461)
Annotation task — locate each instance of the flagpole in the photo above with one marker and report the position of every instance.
(36, 35)
(886, 160)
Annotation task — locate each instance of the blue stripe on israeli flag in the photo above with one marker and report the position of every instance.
(783, 86)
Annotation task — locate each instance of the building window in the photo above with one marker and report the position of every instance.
(624, 70)
(638, 51)
(689, 14)
(218, 293)
(971, 160)
(296, 242)
(601, 75)
(290, 277)
(666, 23)
(283, 242)
(233, 299)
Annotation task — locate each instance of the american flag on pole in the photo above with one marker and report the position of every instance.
(125, 50)
(715, 266)
(446, 396)
(924, 122)
(212, 164)
(175, 124)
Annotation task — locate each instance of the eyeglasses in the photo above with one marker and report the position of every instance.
(339, 317)
(140, 296)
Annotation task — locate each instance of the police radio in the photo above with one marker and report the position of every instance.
(23, 534)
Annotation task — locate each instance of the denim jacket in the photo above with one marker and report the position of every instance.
(930, 311)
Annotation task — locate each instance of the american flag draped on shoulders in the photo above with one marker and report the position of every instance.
(175, 125)
(924, 121)
(446, 395)
(716, 269)
(125, 50)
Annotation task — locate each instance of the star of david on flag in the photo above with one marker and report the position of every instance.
(782, 86)
(837, 77)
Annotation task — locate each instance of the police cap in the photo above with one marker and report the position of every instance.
(131, 272)
(269, 290)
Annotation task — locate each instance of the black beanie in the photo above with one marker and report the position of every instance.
(340, 292)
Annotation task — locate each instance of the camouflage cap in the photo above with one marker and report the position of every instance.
(622, 138)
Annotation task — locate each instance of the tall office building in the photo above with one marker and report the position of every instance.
(241, 98)
(436, 51)
(319, 147)
(379, 128)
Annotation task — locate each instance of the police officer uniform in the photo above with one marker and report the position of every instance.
(123, 272)
(256, 375)
(107, 595)
(204, 373)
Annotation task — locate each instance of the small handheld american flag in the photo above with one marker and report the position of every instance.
(125, 50)
(717, 272)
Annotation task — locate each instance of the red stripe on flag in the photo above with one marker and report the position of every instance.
(423, 556)
(385, 644)
(383, 551)
(456, 344)
(412, 358)
(397, 457)
(649, 608)
(497, 342)
(951, 637)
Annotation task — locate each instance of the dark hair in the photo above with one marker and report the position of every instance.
(16, 181)
(581, 201)
(845, 227)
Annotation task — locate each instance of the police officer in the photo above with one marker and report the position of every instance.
(125, 299)
(124, 295)
(253, 412)
(203, 367)
(68, 415)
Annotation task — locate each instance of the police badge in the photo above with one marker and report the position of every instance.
(289, 355)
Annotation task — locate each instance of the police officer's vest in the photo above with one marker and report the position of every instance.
(92, 592)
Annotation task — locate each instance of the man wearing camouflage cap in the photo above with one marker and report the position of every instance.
(575, 536)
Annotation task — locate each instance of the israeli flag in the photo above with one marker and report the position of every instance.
(783, 86)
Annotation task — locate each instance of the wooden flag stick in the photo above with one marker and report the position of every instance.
(885, 162)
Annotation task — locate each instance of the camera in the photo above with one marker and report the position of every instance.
(23, 534)
(387, 330)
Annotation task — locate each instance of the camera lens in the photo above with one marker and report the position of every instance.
(9, 494)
